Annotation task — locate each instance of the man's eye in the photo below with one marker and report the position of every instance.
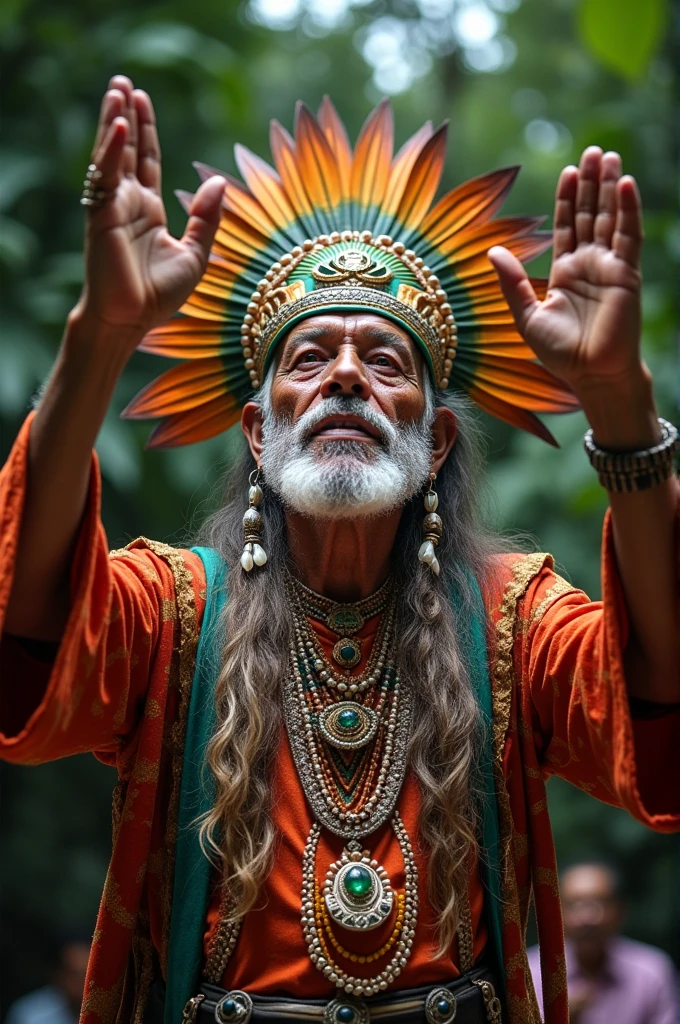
(310, 357)
(382, 361)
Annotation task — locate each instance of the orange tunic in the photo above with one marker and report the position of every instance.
(120, 687)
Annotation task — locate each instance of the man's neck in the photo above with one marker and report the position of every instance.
(346, 560)
(592, 962)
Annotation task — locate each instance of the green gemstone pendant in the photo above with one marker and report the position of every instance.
(348, 726)
(345, 618)
(347, 652)
(357, 890)
(357, 881)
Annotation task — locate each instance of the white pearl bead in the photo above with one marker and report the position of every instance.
(426, 552)
(259, 555)
(247, 559)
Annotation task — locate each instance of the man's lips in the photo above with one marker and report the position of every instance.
(349, 428)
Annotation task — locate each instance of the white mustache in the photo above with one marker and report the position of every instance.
(339, 406)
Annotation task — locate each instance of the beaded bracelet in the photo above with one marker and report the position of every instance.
(637, 470)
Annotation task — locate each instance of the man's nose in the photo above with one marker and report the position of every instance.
(346, 375)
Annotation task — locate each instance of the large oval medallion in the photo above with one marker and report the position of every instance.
(348, 725)
(357, 890)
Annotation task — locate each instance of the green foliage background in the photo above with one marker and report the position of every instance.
(573, 73)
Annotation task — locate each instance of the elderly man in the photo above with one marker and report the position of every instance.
(333, 720)
(610, 978)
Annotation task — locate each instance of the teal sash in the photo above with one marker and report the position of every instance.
(191, 889)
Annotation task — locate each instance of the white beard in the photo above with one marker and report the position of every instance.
(343, 479)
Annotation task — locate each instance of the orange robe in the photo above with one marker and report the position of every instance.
(120, 686)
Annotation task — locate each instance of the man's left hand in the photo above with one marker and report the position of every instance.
(587, 329)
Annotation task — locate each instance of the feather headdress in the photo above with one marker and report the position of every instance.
(334, 230)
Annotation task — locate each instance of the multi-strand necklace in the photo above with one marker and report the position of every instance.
(350, 752)
(349, 736)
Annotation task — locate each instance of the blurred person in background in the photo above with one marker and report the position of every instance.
(610, 979)
(58, 1002)
(331, 798)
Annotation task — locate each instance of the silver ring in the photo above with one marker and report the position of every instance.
(92, 195)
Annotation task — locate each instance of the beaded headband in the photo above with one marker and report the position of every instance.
(331, 230)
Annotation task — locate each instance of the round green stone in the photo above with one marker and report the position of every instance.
(357, 881)
(348, 719)
(348, 652)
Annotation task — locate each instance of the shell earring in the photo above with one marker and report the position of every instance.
(253, 552)
(432, 528)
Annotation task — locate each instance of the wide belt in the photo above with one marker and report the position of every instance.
(470, 999)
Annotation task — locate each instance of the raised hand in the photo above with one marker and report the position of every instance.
(587, 329)
(136, 273)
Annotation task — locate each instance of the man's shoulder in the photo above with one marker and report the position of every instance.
(146, 553)
(44, 1006)
(650, 960)
(529, 579)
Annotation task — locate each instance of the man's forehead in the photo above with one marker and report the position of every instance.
(587, 878)
(351, 326)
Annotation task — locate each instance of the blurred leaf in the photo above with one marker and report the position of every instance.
(10, 11)
(18, 173)
(118, 455)
(624, 36)
(18, 243)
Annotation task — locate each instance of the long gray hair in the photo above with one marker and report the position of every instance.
(238, 833)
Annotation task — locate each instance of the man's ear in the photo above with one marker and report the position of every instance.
(251, 425)
(444, 433)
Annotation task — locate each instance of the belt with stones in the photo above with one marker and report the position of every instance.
(470, 999)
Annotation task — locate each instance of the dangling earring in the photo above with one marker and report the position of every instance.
(432, 528)
(253, 552)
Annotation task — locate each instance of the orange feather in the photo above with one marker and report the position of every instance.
(197, 424)
(528, 385)
(197, 346)
(402, 165)
(464, 206)
(335, 133)
(480, 238)
(511, 414)
(372, 157)
(316, 163)
(265, 184)
(477, 270)
(243, 203)
(510, 347)
(423, 180)
(285, 158)
(180, 388)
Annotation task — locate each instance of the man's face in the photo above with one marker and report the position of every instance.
(592, 913)
(347, 422)
(358, 355)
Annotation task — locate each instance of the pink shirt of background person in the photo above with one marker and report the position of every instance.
(610, 979)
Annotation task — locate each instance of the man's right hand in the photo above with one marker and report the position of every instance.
(136, 274)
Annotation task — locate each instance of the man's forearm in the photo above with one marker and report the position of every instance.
(623, 417)
(63, 433)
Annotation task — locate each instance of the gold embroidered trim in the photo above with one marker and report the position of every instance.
(559, 587)
(142, 952)
(523, 572)
(186, 650)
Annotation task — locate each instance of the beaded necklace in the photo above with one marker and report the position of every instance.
(350, 754)
(343, 619)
